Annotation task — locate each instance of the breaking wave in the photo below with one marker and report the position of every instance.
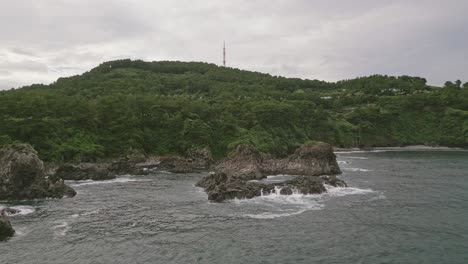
(61, 229)
(23, 209)
(275, 205)
(344, 162)
(356, 169)
(353, 157)
(343, 191)
(91, 182)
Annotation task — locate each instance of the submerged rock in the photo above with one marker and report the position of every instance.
(6, 230)
(22, 176)
(84, 171)
(237, 176)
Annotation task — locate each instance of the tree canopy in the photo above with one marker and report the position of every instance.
(163, 108)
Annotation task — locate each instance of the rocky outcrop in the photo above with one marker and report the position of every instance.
(238, 175)
(309, 159)
(199, 158)
(244, 163)
(22, 176)
(195, 160)
(6, 230)
(128, 165)
(84, 171)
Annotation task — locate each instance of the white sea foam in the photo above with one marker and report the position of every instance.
(118, 180)
(281, 205)
(61, 229)
(353, 157)
(361, 151)
(273, 215)
(22, 231)
(279, 175)
(23, 209)
(356, 169)
(85, 213)
(91, 212)
(343, 191)
(344, 162)
(380, 197)
(278, 178)
(278, 205)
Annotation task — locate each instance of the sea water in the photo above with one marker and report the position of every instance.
(400, 207)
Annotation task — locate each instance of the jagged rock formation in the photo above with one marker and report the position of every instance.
(22, 176)
(238, 175)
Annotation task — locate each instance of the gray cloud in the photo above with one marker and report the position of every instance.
(41, 41)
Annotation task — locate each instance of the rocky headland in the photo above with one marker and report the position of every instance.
(240, 174)
(23, 176)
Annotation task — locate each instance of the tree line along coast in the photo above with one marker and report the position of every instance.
(127, 107)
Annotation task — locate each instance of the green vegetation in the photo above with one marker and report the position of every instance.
(126, 106)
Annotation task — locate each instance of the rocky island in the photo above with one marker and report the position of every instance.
(240, 174)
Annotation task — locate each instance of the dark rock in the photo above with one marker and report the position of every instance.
(6, 230)
(237, 176)
(200, 158)
(308, 160)
(195, 160)
(245, 163)
(333, 181)
(305, 185)
(175, 164)
(84, 171)
(220, 187)
(128, 165)
(22, 176)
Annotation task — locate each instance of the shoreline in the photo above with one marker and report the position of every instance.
(405, 148)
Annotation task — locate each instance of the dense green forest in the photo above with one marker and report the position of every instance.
(123, 107)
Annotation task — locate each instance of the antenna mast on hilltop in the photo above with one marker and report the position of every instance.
(224, 53)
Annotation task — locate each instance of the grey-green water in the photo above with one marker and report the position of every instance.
(401, 207)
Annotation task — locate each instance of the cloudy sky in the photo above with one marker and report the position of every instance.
(41, 41)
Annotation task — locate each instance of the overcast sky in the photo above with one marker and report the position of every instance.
(330, 40)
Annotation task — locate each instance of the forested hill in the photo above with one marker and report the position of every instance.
(123, 107)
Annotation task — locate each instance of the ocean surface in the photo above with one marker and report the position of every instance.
(400, 207)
